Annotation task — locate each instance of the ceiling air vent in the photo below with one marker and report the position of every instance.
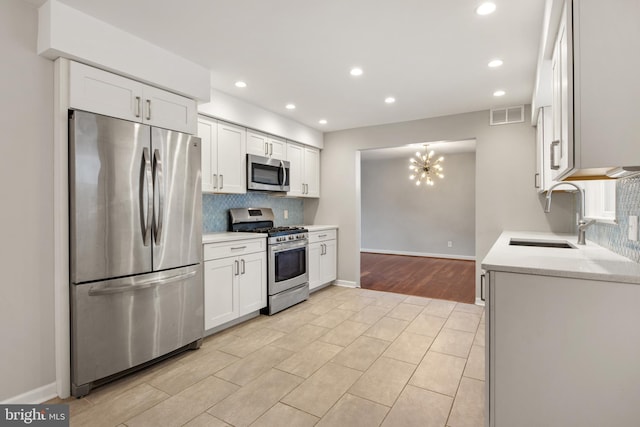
(506, 115)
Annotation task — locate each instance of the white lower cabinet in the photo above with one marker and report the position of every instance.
(234, 285)
(561, 351)
(322, 257)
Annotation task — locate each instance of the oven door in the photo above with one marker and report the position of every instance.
(267, 174)
(288, 266)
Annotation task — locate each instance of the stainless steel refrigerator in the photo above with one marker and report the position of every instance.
(136, 286)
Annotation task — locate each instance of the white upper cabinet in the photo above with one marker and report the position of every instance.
(223, 156)
(98, 91)
(595, 88)
(304, 172)
(265, 145)
(544, 153)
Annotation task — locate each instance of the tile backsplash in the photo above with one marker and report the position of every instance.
(614, 236)
(215, 209)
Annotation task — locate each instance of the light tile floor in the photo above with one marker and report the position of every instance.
(346, 357)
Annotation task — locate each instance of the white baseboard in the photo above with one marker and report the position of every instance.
(33, 397)
(422, 254)
(479, 302)
(345, 283)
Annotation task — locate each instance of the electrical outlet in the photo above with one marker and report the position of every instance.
(450, 244)
(286, 214)
(633, 228)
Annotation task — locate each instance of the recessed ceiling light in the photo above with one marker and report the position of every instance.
(356, 71)
(290, 106)
(486, 8)
(390, 100)
(499, 93)
(495, 63)
(240, 83)
(322, 121)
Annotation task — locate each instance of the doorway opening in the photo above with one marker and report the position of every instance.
(416, 239)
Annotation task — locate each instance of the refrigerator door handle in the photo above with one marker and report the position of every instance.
(147, 176)
(138, 285)
(159, 179)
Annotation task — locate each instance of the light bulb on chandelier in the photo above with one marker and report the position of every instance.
(424, 167)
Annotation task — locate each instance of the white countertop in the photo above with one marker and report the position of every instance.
(590, 261)
(230, 236)
(319, 227)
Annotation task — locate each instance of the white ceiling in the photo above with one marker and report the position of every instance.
(430, 55)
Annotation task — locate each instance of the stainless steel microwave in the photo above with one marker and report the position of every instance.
(266, 174)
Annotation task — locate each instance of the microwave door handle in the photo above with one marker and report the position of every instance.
(284, 174)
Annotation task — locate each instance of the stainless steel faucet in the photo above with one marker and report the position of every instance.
(583, 224)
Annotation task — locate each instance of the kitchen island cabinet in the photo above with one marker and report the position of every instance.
(562, 338)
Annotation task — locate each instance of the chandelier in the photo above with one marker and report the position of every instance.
(424, 167)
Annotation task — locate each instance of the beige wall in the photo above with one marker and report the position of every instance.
(26, 217)
(505, 197)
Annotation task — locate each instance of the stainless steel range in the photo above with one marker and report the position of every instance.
(288, 264)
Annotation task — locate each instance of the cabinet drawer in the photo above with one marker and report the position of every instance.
(228, 249)
(321, 236)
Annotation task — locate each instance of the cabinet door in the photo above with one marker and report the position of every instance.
(208, 132)
(277, 149)
(315, 267)
(257, 143)
(220, 292)
(295, 157)
(312, 171)
(231, 159)
(168, 110)
(252, 282)
(538, 180)
(101, 92)
(328, 262)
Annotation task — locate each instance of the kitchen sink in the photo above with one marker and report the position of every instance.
(562, 244)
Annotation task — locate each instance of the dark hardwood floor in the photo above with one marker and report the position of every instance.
(448, 279)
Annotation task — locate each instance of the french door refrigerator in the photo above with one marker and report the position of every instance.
(136, 286)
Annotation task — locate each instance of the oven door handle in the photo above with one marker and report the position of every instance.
(282, 247)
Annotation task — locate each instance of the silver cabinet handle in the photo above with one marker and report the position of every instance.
(536, 180)
(159, 178)
(148, 109)
(306, 191)
(215, 180)
(137, 113)
(482, 287)
(242, 263)
(324, 249)
(237, 273)
(238, 248)
(148, 177)
(266, 148)
(221, 181)
(322, 235)
(554, 144)
(302, 188)
(271, 149)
